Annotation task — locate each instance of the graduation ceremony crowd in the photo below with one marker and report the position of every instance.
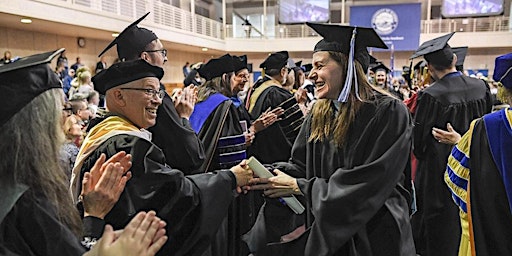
(115, 165)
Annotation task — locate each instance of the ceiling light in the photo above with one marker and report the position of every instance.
(115, 34)
(204, 49)
(26, 21)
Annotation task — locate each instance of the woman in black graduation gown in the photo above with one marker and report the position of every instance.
(350, 158)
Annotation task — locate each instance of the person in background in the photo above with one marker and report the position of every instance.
(195, 204)
(66, 81)
(7, 57)
(478, 175)
(69, 151)
(186, 69)
(101, 65)
(172, 133)
(268, 94)
(350, 160)
(37, 216)
(77, 64)
(81, 83)
(456, 99)
(93, 101)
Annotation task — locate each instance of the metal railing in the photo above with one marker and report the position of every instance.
(167, 15)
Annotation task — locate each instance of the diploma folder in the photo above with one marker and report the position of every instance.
(262, 172)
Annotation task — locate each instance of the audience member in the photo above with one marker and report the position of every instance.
(101, 65)
(77, 64)
(186, 69)
(66, 81)
(81, 83)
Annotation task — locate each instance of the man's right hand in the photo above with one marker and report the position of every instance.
(242, 173)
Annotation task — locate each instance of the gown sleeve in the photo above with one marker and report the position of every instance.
(344, 203)
(174, 135)
(193, 206)
(33, 228)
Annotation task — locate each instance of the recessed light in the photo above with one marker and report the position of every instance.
(115, 34)
(204, 49)
(26, 21)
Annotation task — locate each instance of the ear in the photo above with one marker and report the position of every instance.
(118, 98)
(144, 56)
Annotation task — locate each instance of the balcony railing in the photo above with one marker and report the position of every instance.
(173, 17)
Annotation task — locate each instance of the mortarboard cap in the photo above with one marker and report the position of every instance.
(503, 70)
(124, 72)
(276, 60)
(132, 40)
(461, 53)
(420, 65)
(239, 63)
(298, 63)
(23, 80)
(381, 66)
(436, 51)
(373, 62)
(307, 67)
(191, 78)
(217, 67)
(337, 38)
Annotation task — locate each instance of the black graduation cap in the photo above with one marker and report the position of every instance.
(420, 65)
(381, 67)
(461, 53)
(239, 62)
(373, 62)
(132, 40)
(298, 63)
(276, 60)
(307, 67)
(217, 67)
(23, 80)
(436, 51)
(125, 72)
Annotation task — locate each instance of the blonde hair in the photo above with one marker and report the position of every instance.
(324, 121)
(68, 125)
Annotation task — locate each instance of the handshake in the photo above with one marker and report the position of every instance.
(252, 175)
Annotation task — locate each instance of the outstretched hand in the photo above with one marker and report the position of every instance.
(102, 186)
(450, 136)
(266, 119)
(278, 186)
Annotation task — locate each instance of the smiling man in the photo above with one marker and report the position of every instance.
(133, 94)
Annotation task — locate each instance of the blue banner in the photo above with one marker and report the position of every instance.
(397, 24)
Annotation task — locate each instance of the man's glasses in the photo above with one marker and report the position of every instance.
(150, 92)
(163, 51)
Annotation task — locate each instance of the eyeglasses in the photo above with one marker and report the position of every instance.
(243, 76)
(150, 92)
(163, 51)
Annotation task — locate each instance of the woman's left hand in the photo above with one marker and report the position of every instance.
(278, 186)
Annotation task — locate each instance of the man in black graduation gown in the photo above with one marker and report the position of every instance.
(172, 132)
(275, 142)
(456, 99)
(193, 206)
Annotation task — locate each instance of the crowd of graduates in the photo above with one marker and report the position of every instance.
(381, 165)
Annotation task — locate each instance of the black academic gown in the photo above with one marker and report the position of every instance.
(182, 148)
(491, 216)
(356, 196)
(274, 144)
(454, 99)
(222, 136)
(193, 206)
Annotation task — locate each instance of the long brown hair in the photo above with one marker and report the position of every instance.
(221, 84)
(30, 148)
(324, 122)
